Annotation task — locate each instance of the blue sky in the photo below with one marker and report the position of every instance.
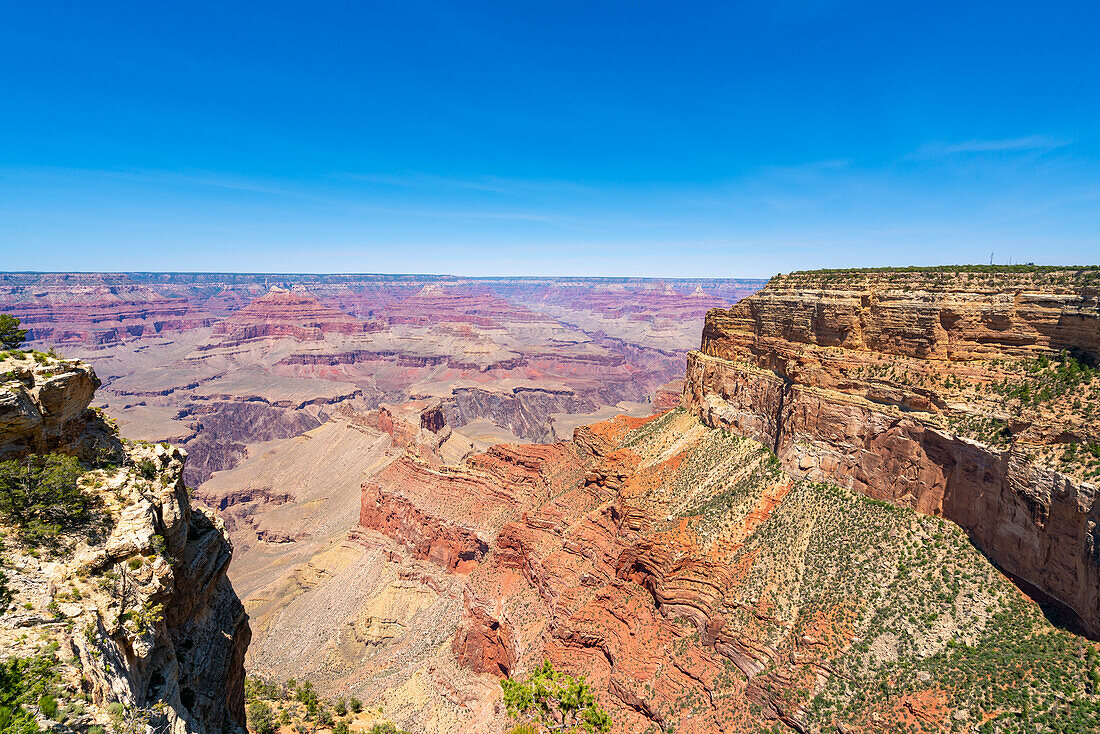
(572, 138)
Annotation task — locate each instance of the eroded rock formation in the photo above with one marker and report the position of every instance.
(704, 569)
(696, 585)
(141, 607)
(44, 407)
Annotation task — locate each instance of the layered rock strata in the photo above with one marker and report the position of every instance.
(297, 315)
(854, 378)
(94, 308)
(696, 585)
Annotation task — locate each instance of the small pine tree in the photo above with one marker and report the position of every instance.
(261, 719)
(555, 701)
(11, 336)
(41, 496)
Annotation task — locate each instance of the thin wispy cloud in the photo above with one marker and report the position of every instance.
(507, 186)
(1002, 145)
(200, 179)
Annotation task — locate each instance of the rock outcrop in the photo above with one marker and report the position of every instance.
(524, 411)
(43, 406)
(861, 378)
(139, 603)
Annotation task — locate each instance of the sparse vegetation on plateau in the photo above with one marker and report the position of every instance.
(295, 706)
(1063, 390)
(917, 619)
(990, 269)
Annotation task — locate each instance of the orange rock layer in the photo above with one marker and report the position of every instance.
(568, 555)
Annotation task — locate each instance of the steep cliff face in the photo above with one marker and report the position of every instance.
(135, 600)
(940, 313)
(906, 386)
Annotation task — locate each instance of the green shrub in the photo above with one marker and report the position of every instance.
(324, 718)
(48, 705)
(5, 591)
(261, 720)
(556, 700)
(42, 497)
(24, 680)
(386, 728)
(147, 468)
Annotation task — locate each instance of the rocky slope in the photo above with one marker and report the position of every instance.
(698, 586)
(132, 610)
(867, 378)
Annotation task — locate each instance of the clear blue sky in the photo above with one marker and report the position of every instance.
(586, 138)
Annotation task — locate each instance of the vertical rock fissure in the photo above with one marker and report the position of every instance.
(779, 416)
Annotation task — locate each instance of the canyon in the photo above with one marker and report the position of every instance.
(818, 537)
(220, 363)
(864, 503)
